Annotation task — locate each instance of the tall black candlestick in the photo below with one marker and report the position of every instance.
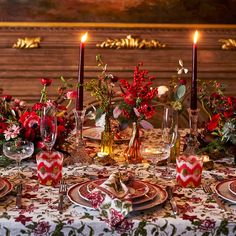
(193, 104)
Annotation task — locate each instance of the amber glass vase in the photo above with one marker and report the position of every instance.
(107, 137)
(133, 151)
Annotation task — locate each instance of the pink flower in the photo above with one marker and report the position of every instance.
(207, 225)
(71, 94)
(124, 226)
(11, 132)
(116, 217)
(42, 228)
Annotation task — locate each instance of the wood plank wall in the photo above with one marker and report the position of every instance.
(20, 69)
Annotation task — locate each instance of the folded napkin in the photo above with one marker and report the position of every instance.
(112, 200)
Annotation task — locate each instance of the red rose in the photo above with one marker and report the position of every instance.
(7, 98)
(46, 81)
(183, 81)
(30, 119)
(3, 127)
(212, 125)
(114, 79)
(37, 106)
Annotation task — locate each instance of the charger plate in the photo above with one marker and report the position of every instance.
(222, 189)
(232, 187)
(94, 133)
(160, 198)
(6, 189)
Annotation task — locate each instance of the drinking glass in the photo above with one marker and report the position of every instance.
(169, 136)
(18, 150)
(48, 127)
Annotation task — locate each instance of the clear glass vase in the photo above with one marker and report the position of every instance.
(107, 137)
(133, 151)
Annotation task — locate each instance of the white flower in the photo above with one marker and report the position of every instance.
(162, 90)
(11, 132)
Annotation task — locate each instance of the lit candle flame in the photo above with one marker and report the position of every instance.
(84, 37)
(195, 37)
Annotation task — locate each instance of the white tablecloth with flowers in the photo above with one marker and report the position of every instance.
(198, 213)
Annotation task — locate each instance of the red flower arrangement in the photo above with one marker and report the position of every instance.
(137, 104)
(20, 121)
(220, 131)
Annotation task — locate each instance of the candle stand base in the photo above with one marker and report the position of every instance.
(79, 153)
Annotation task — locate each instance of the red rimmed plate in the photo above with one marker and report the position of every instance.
(232, 187)
(78, 200)
(222, 189)
(136, 188)
(6, 189)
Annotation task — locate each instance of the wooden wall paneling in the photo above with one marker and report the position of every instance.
(58, 54)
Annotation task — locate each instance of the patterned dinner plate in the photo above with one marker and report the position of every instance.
(136, 188)
(6, 189)
(232, 187)
(78, 200)
(222, 189)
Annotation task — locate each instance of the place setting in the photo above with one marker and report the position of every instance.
(142, 195)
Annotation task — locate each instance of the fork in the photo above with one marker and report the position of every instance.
(62, 193)
(207, 189)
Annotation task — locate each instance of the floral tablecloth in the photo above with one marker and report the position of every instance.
(198, 212)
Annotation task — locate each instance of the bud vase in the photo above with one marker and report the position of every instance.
(133, 151)
(107, 137)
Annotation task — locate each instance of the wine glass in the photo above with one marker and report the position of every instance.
(18, 150)
(48, 127)
(169, 136)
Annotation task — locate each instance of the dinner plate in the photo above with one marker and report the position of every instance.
(7, 188)
(222, 189)
(136, 188)
(94, 133)
(78, 200)
(232, 187)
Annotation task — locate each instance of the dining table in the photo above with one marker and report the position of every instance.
(198, 211)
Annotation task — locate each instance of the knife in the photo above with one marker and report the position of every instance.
(173, 204)
(19, 195)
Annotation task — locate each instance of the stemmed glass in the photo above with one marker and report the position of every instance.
(169, 136)
(48, 127)
(18, 150)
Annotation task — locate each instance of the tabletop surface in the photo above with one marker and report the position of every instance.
(198, 214)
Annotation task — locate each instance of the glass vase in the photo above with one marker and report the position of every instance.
(107, 137)
(133, 151)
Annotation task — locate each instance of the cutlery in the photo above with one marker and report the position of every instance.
(173, 204)
(207, 189)
(19, 195)
(62, 193)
